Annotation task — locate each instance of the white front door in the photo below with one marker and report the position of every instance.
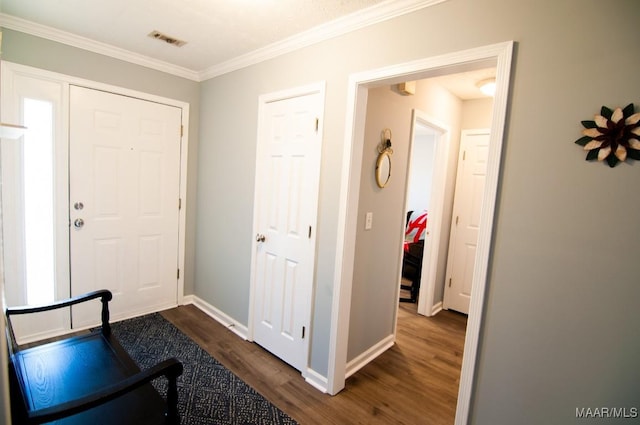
(287, 179)
(123, 202)
(467, 204)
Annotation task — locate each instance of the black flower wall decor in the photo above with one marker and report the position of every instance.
(613, 135)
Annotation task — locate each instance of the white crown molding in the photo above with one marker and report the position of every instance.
(372, 15)
(43, 31)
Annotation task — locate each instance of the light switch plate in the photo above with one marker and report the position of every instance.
(368, 221)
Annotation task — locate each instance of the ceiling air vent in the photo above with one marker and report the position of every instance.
(167, 39)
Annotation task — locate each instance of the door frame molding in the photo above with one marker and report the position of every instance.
(263, 100)
(10, 68)
(436, 208)
(500, 55)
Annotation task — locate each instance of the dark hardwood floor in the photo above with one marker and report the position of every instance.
(414, 382)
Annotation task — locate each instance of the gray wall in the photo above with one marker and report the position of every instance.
(476, 113)
(560, 328)
(229, 106)
(377, 258)
(563, 272)
(420, 172)
(377, 253)
(44, 54)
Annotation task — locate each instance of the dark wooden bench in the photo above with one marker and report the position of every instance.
(87, 378)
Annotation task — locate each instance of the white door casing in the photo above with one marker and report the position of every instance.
(465, 223)
(18, 87)
(500, 55)
(286, 200)
(123, 202)
(426, 304)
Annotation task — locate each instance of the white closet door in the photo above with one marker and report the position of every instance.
(287, 198)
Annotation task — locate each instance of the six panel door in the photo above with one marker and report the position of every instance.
(124, 194)
(286, 199)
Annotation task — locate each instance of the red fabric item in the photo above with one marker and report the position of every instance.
(416, 226)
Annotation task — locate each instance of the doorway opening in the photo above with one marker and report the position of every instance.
(498, 56)
(426, 203)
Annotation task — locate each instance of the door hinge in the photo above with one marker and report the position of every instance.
(178, 275)
(449, 282)
(464, 155)
(181, 130)
(317, 124)
(303, 329)
(457, 219)
(179, 203)
(309, 232)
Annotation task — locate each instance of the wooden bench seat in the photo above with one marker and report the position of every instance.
(87, 379)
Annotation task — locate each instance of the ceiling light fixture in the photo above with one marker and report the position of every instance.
(487, 86)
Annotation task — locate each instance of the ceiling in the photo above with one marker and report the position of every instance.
(219, 35)
(464, 84)
(215, 31)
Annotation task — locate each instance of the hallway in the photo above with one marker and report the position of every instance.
(414, 382)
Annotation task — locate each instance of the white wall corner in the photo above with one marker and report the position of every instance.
(437, 308)
(316, 380)
(368, 356)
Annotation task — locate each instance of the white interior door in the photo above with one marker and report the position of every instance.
(467, 204)
(124, 195)
(288, 165)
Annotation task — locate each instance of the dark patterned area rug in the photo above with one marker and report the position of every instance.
(209, 393)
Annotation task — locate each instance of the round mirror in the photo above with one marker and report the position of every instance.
(383, 169)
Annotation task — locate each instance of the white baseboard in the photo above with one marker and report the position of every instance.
(312, 377)
(316, 380)
(368, 356)
(114, 318)
(227, 321)
(187, 299)
(436, 308)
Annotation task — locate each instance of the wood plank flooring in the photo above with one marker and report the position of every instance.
(414, 382)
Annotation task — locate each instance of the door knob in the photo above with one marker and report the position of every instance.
(78, 223)
(260, 238)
